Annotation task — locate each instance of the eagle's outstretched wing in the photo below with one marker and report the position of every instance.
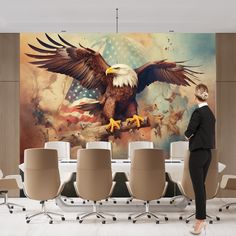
(83, 64)
(169, 72)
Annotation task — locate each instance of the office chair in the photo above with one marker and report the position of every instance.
(63, 151)
(42, 179)
(134, 145)
(138, 145)
(147, 180)
(211, 184)
(228, 182)
(94, 180)
(101, 145)
(178, 151)
(7, 183)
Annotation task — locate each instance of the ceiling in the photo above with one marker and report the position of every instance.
(134, 16)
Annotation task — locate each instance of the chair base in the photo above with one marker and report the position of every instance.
(134, 217)
(182, 197)
(8, 204)
(95, 212)
(46, 213)
(226, 206)
(68, 199)
(211, 219)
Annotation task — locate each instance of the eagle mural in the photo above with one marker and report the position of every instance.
(117, 84)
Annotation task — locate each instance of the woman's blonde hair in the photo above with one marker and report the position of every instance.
(201, 92)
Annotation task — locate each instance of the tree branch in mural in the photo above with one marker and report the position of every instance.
(117, 85)
(98, 132)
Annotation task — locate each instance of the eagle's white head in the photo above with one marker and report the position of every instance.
(124, 75)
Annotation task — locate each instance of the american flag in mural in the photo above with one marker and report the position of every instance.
(77, 95)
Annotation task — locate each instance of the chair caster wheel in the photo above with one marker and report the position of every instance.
(84, 202)
(27, 221)
(129, 218)
(148, 216)
(80, 221)
(144, 203)
(11, 207)
(158, 202)
(134, 221)
(106, 200)
(50, 222)
(100, 203)
(72, 202)
(157, 222)
(166, 218)
(114, 218)
(98, 216)
(217, 218)
(180, 218)
(65, 200)
(77, 218)
(189, 203)
(11, 211)
(26, 217)
(211, 222)
(103, 222)
(187, 221)
(220, 209)
(63, 218)
(23, 209)
(227, 207)
(127, 202)
(171, 202)
(114, 202)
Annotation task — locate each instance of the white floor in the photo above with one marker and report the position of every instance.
(15, 225)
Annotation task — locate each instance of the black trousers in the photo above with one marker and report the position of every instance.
(199, 163)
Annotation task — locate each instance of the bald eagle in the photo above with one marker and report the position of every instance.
(118, 84)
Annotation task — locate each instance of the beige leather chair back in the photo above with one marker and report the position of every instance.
(94, 175)
(147, 174)
(212, 179)
(41, 176)
(186, 182)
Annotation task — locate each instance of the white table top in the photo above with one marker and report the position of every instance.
(173, 167)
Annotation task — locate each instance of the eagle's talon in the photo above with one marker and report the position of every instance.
(114, 124)
(136, 119)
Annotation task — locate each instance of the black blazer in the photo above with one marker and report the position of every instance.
(201, 129)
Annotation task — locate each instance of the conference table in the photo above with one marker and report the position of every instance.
(174, 168)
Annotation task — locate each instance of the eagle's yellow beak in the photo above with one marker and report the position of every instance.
(110, 70)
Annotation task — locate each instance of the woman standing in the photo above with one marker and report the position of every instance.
(201, 136)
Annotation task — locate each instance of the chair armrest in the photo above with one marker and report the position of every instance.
(76, 189)
(8, 184)
(17, 178)
(113, 175)
(129, 189)
(227, 181)
(165, 188)
(181, 188)
(112, 188)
